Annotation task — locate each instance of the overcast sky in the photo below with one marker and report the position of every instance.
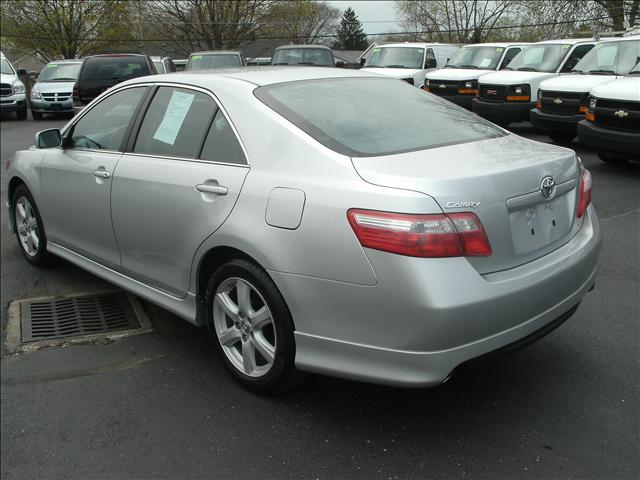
(376, 16)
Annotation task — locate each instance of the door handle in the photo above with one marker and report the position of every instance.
(101, 173)
(215, 189)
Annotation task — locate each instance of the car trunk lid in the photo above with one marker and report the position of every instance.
(500, 181)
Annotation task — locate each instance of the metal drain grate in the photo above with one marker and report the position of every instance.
(73, 316)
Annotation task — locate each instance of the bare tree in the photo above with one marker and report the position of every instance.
(453, 20)
(207, 24)
(618, 12)
(301, 21)
(56, 29)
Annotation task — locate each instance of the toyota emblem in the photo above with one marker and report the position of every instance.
(548, 187)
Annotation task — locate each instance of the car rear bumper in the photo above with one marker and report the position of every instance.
(506, 112)
(554, 122)
(14, 102)
(609, 139)
(425, 318)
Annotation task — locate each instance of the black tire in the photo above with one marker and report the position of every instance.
(36, 115)
(41, 257)
(283, 375)
(562, 137)
(21, 114)
(611, 158)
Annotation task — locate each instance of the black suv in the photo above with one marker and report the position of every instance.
(101, 72)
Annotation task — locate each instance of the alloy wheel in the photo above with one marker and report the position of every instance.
(27, 226)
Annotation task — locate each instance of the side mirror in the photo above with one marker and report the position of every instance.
(363, 61)
(340, 64)
(430, 63)
(48, 138)
(21, 71)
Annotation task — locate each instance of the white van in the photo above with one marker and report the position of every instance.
(611, 124)
(457, 81)
(562, 101)
(12, 91)
(409, 61)
(508, 95)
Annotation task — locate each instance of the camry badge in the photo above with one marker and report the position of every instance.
(557, 101)
(548, 187)
(621, 114)
(462, 205)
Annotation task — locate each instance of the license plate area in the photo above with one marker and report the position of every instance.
(56, 106)
(536, 226)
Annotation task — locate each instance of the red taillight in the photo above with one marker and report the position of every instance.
(453, 235)
(584, 200)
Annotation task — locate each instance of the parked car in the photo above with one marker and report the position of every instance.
(562, 101)
(387, 241)
(612, 121)
(163, 64)
(101, 72)
(258, 61)
(315, 55)
(180, 64)
(409, 61)
(214, 59)
(53, 90)
(457, 81)
(508, 95)
(12, 91)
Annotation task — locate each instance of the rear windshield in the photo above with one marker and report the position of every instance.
(60, 72)
(365, 117)
(303, 56)
(114, 68)
(218, 60)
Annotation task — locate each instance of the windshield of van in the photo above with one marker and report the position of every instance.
(217, 60)
(303, 56)
(60, 72)
(6, 68)
(476, 57)
(540, 58)
(396, 57)
(373, 116)
(610, 58)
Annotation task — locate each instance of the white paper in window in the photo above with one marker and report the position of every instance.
(485, 62)
(174, 117)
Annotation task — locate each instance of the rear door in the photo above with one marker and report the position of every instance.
(175, 186)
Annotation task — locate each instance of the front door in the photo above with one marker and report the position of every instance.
(76, 180)
(176, 187)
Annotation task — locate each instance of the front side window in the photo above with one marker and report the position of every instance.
(373, 116)
(5, 67)
(485, 58)
(396, 57)
(104, 126)
(610, 58)
(575, 57)
(512, 52)
(60, 72)
(159, 66)
(218, 60)
(540, 57)
(175, 123)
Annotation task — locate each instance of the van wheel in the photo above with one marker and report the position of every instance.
(562, 136)
(611, 159)
(36, 115)
(251, 327)
(29, 229)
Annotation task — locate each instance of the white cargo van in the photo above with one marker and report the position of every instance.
(611, 125)
(458, 80)
(12, 91)
(409, 61)
(562, 101)
(508, 95)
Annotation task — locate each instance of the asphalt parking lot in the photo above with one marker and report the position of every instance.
(160, 405)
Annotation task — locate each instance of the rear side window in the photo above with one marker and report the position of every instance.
(373, 116)
(221, 144)
(103, 127)
(114, 68)
(175, 123)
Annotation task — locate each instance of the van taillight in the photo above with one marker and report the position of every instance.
(584, 199)
(452, 235)
(76, 93)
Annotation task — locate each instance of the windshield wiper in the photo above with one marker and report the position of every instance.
(468, 66)
(450, 66)
(526, 69)
(63, 79)
(636, 72)
(306, 63)
(280, 63)
(577, 71)
(395, 66)
(602, 72)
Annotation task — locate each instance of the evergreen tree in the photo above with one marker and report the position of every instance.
(350, 33)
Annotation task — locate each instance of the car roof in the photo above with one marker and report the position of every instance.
(216, 52)
(117, 55)
(417, 44)
(497, 44)
(281, 47)
(262, 75)
(621, 39)
(68, 60)
(565, 41)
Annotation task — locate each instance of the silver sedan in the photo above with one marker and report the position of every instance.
(315, 220)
